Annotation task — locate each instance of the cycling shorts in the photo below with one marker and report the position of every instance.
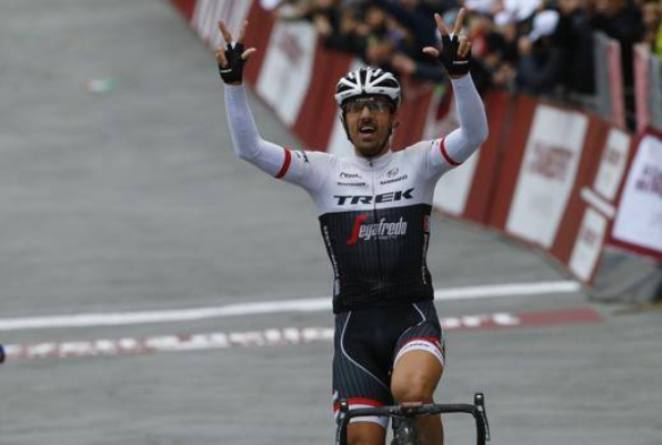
(368, 343)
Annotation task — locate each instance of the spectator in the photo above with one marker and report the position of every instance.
(414, 16)
(521, 10)
(353, 31)
(658, 39)
(574, 37)
(622, 21)
(414, 28)
(539, 66)
(652, 20)
(487, 7)
(516, 45)
(323, 13)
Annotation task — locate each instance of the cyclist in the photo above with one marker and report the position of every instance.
(374, 209)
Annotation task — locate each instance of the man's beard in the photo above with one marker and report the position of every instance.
(374, 149)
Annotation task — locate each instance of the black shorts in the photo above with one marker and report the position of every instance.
(367, 344)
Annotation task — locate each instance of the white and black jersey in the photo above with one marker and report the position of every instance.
(374, 212)
(374, 217)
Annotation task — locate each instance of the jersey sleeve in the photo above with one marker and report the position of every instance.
(308, 169)
(304, 168)
(455, 148)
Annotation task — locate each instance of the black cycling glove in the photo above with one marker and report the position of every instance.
(233, 73)
(455, 65)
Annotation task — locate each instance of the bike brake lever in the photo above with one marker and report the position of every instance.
(479, 401)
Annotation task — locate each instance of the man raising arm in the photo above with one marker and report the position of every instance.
(374, 211)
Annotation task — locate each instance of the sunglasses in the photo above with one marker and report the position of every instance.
(376, 104)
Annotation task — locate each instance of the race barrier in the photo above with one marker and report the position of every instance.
(638, 222)
(647, 69)
(559, 179)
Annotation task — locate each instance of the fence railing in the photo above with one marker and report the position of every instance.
(610, 90)
(609, 87)
(655, 92)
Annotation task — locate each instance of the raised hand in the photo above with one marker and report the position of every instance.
(455, 49)
(232, 57)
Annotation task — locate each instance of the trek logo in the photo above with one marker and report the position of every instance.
(367, 199)
(382, 230)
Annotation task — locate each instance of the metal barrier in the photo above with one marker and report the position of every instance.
(655, 92)
(647, 87)
(609, 85)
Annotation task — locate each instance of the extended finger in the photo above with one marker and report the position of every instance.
(225, 32)
(459, 20)
(464, 48)
(246, 54)
(220, 57)
(431, 51)
(242, 32)
(441, 25)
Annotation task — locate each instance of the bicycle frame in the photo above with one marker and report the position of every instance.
(477, 410)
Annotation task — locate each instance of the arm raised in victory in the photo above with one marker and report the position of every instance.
(459, 144)
(298, 167)
(246, 140)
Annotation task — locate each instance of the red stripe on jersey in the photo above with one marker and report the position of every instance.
(444, 153)
(359, 401)
(286, 164)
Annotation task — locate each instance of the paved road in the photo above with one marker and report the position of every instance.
(132, 200)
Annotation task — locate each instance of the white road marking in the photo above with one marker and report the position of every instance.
(267, 307)
(279, 336)
(217, 340)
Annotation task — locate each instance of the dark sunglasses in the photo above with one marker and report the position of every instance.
(379, 104)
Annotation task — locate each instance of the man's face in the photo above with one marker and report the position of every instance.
(369, 120)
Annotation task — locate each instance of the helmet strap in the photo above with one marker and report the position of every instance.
(344, 125)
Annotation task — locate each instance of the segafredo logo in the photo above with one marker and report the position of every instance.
(382, 230)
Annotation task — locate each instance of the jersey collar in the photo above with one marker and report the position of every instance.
(374, 163)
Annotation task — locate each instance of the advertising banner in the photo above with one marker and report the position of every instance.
(547, 174)
(452, 190)
(638, 221)
(185, 7)
(612, 164)
(588, 245)
(208, 13)
(287, 68)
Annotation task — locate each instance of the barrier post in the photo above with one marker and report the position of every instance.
(610, 98)
(655, 92)
(642, 77)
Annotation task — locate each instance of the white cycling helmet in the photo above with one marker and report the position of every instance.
(366, 82)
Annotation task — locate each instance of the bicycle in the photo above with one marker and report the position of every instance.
(404, 418)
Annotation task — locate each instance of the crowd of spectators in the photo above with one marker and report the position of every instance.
(534, 46)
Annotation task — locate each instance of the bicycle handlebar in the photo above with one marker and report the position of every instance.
(477, 410)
